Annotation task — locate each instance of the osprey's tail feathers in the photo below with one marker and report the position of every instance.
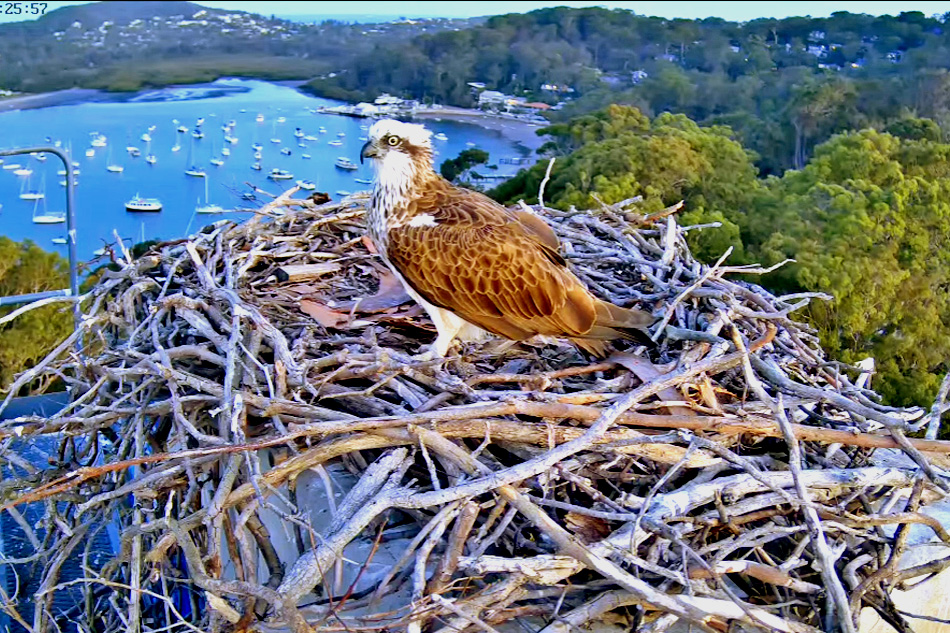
(614, 322)
(614, 317)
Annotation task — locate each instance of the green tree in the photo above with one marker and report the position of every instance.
(814, 106)
(868, 221)
(467, 158)
(915, 129)
(620, 154)
(26, 268)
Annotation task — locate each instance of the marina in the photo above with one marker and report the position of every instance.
(145, 173)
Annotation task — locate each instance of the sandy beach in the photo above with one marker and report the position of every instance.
(516, 130)
(47, 99)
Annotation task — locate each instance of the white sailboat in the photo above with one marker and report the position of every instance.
(207, 207)
(113, 168)
(193, 170)
(28, 193)
(47, 217)
(149, 156)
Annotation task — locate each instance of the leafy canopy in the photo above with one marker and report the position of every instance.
(619, 153)
(868, 220)
(467, 158)
(26, 268)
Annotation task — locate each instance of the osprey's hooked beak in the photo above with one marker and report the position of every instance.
(368, 151)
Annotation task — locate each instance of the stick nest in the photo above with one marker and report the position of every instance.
(271, 456)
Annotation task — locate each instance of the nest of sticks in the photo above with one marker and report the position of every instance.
(724, 476)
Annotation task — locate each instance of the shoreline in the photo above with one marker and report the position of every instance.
(518, 131)
(49, 99)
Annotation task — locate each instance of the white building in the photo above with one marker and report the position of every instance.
(492, 98)
(366, 109)
(387, 99)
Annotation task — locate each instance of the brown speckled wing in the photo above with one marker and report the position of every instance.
(490, 267)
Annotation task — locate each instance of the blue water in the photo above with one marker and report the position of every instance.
(101, 195)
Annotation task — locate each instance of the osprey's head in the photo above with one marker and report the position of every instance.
(400, 151)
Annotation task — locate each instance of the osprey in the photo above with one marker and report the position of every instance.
(475, 266)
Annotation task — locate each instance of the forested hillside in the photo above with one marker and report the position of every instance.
(129, 45)
(783, 85)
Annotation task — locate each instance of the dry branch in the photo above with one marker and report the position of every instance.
(724, 476)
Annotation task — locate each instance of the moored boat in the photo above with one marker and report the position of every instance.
(345, 163)
(140, 204)
(280, 174)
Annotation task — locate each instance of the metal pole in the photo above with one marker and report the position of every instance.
(33, 296)
(70, 216)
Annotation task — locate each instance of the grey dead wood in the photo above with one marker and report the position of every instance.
(205, 392)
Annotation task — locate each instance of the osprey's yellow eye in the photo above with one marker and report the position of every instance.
(392, 140)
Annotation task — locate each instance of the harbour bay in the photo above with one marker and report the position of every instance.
(261, 112)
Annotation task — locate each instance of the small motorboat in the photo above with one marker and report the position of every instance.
(346, 164)
(280, 174)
